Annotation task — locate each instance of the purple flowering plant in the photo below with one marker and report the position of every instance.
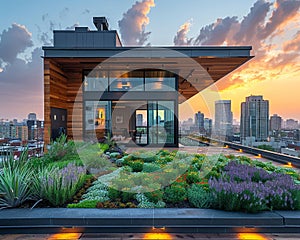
(58, 186)
(242, 187)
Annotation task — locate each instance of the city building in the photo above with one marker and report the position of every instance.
(5, 129)
(223, 118)
(275, 123)
(208, 126)
(35, 129)
(139, 119)
(88, 101)
(199, 122)
(291, 124)
(255, 119)
(32, 116)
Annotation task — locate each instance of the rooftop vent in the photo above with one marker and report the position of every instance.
(101, 23)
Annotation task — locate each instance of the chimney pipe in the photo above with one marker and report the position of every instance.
(100, 23)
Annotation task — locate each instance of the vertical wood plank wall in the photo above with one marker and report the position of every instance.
(75, 104)
(60, 91)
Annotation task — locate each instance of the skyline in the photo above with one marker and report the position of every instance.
(271, 27)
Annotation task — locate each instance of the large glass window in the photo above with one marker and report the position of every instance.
(161, 122)
(97, 118)
(139, 80)
(131, 81)
(159, 81)
(96, 81)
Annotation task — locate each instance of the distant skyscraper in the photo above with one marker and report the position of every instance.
(223, 118)
(291, 124)
(32, 116)
(199, 121)
(255, 118)
(139, 119)
(208, 125)
(275, 123)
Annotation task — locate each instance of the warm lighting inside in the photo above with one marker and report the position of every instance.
(65, 236)
(165, 236)
(251, 236)
(241, 150)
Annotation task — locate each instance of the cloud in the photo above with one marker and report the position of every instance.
(21, 81)
(181, 38)
(268, 28)
(253, 22)
(132, 25)
(284, 11)
(13, 41)
(215, 33)
(293, 44)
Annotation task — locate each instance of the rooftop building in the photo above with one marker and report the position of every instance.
(98, 86)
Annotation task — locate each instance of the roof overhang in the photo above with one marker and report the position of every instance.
(197, 67)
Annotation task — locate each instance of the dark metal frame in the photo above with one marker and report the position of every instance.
(136, 96)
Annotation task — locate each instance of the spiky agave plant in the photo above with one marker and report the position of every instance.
(15, 179)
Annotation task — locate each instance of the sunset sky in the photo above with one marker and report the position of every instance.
(272, 28)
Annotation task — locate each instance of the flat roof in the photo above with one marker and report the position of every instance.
(189, 51)
(197, 67)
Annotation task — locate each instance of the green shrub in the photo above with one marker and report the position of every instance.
(104, 147)
(92, 156)
(151, 167)
(127, 196)
(198, 197)
(175, 193)
(296, 198)
(114, 194)
(193, 177)
(60, 148)
(154, 196)
(84, 204)
(137, 165)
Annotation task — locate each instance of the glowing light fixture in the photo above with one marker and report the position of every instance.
(65, 236)
(164, 236)
(251, 236)
(288, 165)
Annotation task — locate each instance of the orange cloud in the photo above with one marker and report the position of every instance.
(181, 38)
(293, 44)
(132, 25)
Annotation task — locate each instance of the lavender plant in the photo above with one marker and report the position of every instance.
(58, 186)
(246, 188)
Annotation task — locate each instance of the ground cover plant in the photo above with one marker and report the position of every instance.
(145, 179)
(233, 183)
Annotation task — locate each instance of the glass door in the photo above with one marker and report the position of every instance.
(161, 122)
(141, 126)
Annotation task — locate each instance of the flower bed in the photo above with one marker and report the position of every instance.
(173, 179)
(146, 179)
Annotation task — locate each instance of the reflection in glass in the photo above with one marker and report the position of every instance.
(159, 81)
(97, 118)
(96, 81)
(132, 81)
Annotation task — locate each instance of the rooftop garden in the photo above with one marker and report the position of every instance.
(103, 176)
